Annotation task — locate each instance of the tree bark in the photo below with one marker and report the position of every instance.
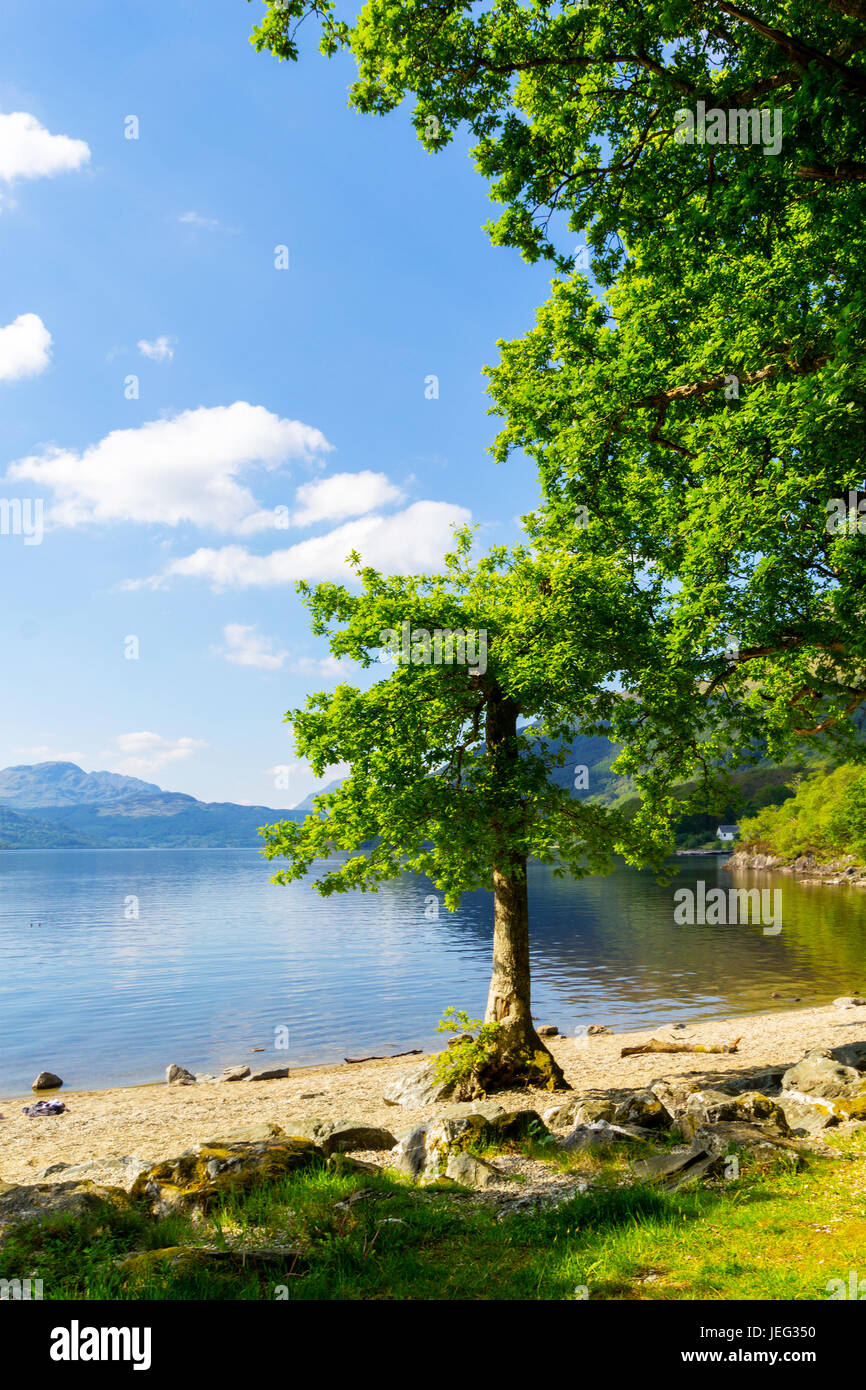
(519, 1056)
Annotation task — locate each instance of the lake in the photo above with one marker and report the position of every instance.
(218, 959)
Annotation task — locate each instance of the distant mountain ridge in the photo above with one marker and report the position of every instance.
(58, 805)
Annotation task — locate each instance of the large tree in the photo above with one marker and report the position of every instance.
(451, 759)
(706, 409)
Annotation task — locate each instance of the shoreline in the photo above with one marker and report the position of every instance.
(152, 1121)
(805, 867)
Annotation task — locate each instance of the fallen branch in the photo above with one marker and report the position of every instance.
(655, 1046)
(413, 1052)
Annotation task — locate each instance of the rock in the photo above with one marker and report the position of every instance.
(645, 1109)
(807, 1114)
(852, 1054)
(708, 1107)
(40, 1200)
(459, 1038)
(204, 1076)
(849, 1001)
(192, 1259)
(591, 1136)
(471, 1171)
(315, 1129)
(678, 1169)
(719, 1138)
(201, 1178)
(46, 1081)
(489, 1110)
(516, 1124)
(235, 1073)
(560, 1116)
(178, 1076)
(595, 1029)
(268, 1074)
(356, 1134)
(548, 1031)
(819, 1074)
(73, 1171)
(673, 1093)
(417, 1088)
(579, 1110)
(410, 1153)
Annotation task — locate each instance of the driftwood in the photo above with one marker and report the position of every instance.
(413, 1052)
(655, 1046)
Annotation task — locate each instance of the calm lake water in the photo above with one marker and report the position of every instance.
(219, 959)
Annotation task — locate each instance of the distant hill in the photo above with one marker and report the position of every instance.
(59, 805)
(66, 784)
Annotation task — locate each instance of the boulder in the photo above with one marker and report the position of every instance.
(471, 1171)
(849, 1001)
(240, 1073)
(201, 1178)
(596, 1134)
(36, 1202)
(489, 1110)
(46, 1081)
(178, 1076)
(708, 1107)
(645, 1109)
(851, 1054)
(346, 1135)
(268, 1074)
(409, 1155)
(596, 1029)
(182, 1260)
(678, 1169)
(418, 1088)
(820, 1074)
(807, 1114)
(548, 1031)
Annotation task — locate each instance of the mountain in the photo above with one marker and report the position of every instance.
(66, 784)
(59, 805)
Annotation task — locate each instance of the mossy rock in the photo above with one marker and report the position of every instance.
(201, 1178)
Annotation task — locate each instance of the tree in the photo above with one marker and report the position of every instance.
(495, 664)
(708, 410)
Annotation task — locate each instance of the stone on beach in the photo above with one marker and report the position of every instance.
(46, 1081)
(417, 1088)
(240, 1073)
(178, 1076)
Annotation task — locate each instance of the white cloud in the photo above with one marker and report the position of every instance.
(247, 647)
(328, 667)
(407, 542)
(195, 219)
(343, 495)
(29, 151)
(160, 350)
(145, 753)
(182, 469)
(25, 347)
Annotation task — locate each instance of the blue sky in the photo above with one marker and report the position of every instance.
(154, 258)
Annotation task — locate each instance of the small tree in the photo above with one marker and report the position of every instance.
(452, 755)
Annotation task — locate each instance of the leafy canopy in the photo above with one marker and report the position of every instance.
(443, 781)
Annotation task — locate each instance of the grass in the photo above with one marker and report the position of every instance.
(773, 1233)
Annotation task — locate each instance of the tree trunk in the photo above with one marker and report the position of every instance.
(518, 1057)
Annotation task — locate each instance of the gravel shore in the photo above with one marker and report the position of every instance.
(157, 1121)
